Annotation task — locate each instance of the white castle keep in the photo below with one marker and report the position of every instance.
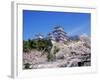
(58, 34)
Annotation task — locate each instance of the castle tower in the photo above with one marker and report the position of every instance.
(58, 34)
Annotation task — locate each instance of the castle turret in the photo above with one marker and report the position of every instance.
(39, 36)
(58, 34)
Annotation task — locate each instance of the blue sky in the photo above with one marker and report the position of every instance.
(44, 21)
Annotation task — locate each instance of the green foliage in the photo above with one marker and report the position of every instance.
(56, 49)
(50, 57)
(38, 44)
(26, 46)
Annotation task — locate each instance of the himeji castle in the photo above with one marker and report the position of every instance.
(58, 34)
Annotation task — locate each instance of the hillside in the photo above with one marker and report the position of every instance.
(72, 53)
